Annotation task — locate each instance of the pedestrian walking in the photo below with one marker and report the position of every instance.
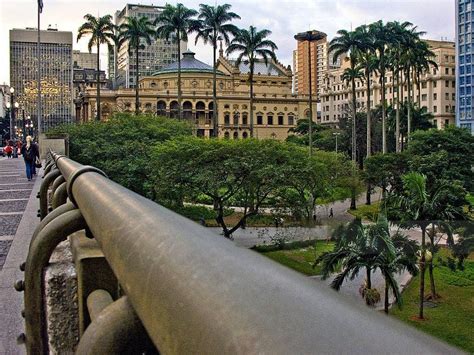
(8, 150)
(331, 213)
(29, 154)
(15, 149)
(37, 160)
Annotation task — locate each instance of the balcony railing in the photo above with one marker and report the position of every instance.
(189, 290)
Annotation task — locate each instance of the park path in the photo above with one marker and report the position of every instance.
(18, 208)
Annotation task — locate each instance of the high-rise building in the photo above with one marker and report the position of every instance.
(465, 64)
(436, 92)
(295, 71)
(84, 60)
(56, 74)
(319, 66)
(152, 58)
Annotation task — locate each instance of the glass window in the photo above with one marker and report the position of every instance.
(259, 119)
(280, 120)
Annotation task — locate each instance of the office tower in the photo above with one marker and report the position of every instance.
(56, 74)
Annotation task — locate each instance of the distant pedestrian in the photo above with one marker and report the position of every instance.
(331, 213)
(8, 150)
(37, 158)
(29, 155)
(15, 149)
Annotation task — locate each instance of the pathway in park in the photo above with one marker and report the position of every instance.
(18, 208)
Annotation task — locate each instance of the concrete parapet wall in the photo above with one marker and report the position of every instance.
(62, 317)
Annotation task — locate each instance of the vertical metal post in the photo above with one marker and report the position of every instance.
(12, 114)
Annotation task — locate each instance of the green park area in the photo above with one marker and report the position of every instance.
(450, 317)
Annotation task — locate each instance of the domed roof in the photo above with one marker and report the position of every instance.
(189, 64)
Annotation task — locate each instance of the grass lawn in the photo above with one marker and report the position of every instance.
(453, 318)
(301, 259)
(367, 212)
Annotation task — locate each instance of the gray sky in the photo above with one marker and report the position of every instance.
(283, 17)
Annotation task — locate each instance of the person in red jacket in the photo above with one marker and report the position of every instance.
(8, 150)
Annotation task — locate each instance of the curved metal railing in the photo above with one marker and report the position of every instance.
(193, 291)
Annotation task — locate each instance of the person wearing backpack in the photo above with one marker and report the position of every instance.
(29, 155)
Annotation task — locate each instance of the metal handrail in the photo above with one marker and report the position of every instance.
(196, 292)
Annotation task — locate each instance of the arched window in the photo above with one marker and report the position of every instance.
(259, 118)
(187, 110)
(245, 135)
(200, 110)
(236, 135)
(161, 108)
(226, 135)
(174, 108)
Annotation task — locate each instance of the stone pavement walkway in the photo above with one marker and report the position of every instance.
(18, 208)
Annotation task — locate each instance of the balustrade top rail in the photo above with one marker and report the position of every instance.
(196, 292)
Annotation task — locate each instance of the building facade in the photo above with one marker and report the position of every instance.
(319, 66)
(84, 59)
(151, 59)
(56, 74)
(465, 64)
(438, 93)
(84, 79)
(276, 110)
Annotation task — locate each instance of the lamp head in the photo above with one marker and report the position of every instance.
(16, 104)
(12, 90)
(8, 105)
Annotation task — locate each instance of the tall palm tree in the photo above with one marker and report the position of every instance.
(214, 26)
(402, 35)
(369, 63)
(352, 43)
(114, 46)
(252, 44)
(421, 207)
(177, 22)
(383, 37)
(135, 31)
(424, 61)
(101, 30)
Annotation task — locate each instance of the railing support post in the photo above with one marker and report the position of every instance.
(38, 258)
(48, 179)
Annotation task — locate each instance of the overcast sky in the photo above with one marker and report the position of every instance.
(283, 17)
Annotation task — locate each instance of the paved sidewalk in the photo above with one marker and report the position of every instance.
(18, 208)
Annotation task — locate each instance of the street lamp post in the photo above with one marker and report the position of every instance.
(336, 134)
(11, 106)
(310, 37)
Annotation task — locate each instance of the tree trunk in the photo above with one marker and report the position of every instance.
(369, 133)
(137, 77)
(98, 82)
(354, 142)
(422, 272)
(215, 124)
(397, 117)
(418, 84)
(369, 280)
(251, 100)
(386, 303)
(434, 295)
(384, 128)
(409, 104)
(179, 75)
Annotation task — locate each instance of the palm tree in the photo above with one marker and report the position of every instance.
(402, 36)
(252, 44)
(101, 31)
(135, 31)
(359, 247)
(369, 63)
(213, 27)
(390, 264)
(421, 207)
(176, 21)
(114, 46)
(383, 37)
(352, 43)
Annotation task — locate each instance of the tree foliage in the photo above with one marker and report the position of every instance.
(121, 146)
